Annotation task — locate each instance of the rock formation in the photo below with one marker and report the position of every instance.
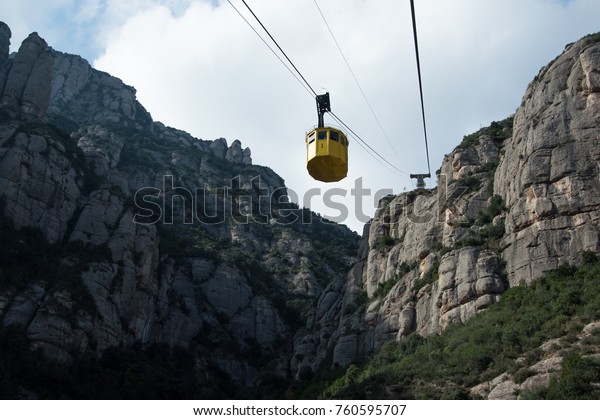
(26, 87)
(224, 266)
(548, 176)
(5, 35)
(513, 201)
(125, 232)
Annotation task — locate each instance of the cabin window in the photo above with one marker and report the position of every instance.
(311, 137)
(322, 135)
(334, 135)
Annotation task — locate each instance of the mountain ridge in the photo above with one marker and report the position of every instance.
(254, 292)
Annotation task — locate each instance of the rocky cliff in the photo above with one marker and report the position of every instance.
(120, 234)
(514, 201)
(548, 176)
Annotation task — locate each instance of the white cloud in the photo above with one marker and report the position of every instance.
(197, 66)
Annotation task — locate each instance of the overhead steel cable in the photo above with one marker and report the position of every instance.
(356, 80)
(278, 46)
(414, 23)
(370, 150)
(366, 144)
(269, 47)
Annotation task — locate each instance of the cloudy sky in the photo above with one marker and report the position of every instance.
(197, 66)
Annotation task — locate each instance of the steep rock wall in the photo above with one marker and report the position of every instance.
(513, 201)
(223, 267)
(225, 280)
(549, 176)
(25, 84)
(428, 259)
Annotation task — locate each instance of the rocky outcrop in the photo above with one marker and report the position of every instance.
(26, 87)
(549, 175)
(83, 96)
(39, 183)
(149, 235)
(234, 152)
(513, 201)
(140, 234)
(429, 258)
(5, 35)
(219, 148)
(533, 378)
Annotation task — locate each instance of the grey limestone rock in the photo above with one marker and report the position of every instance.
(234, 152)
(219, 148)
(39, 185)
(549, 175)
(220, 289)
(5, 35)
(27, 83)
(247, 156)
(428, 258)
(430, 253)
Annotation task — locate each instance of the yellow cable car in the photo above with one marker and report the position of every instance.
(327, 154)
(326, 148)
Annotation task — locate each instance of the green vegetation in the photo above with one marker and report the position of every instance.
(487, 235)
(384, 288)
(576, 380)
(386, 242)
(469, 184)
(497, 130)
(412, 195)
(592, 38)
(495, 208)
(428, 278)
(446, 366)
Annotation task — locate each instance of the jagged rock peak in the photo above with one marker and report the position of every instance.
(227, 263)
(27, 82)
(237, 155)
(5, 35)
(233, 153)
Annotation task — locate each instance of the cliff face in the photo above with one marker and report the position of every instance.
(119, 232)
(427, 259)
(125, 232)
(548, 176)
(514, 201)
(26, 79)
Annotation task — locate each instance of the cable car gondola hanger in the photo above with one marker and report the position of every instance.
(326, 147)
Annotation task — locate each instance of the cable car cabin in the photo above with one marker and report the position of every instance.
(327, 154)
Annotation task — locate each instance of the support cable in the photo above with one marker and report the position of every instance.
(414, 23)
(393, 167)
(269, 47)
(307, 86)
(356, 80)
(280, 49)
